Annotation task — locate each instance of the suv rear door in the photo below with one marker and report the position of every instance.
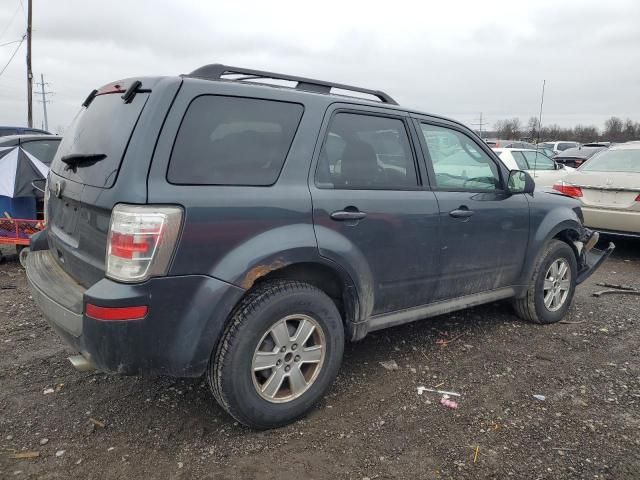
(484, 230)
(80, 199)
(371, 211)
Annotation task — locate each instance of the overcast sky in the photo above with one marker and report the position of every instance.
(455, 58)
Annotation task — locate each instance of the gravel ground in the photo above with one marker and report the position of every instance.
(373, 424)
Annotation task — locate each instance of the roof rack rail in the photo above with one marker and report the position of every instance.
(217, 71)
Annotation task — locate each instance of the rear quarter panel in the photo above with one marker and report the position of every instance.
(239, 233)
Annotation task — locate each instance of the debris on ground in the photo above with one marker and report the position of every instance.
(443, 342)
(616, 289)
(97, 423)
(421, 390)
(60, 453)
(390, 365)
(47, 391)
(542, 398)
(25, 455)
(475, 454)
(447, 402)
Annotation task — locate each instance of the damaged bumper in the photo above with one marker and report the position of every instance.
(590, 258)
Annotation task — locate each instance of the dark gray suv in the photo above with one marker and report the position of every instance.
(244, 224)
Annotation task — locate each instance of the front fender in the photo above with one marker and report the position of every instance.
(549, 217)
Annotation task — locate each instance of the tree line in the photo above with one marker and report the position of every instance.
(615, 130)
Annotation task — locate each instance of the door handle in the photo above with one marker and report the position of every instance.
(348, 215)
(462, 212)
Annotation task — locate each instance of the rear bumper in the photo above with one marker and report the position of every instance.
(186, 317)
(620, 222)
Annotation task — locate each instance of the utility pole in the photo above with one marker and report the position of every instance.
(29, 73)
(44, 100)
(480, 124)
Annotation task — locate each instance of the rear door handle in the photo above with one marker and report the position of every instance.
(461, 213)
(346, 215)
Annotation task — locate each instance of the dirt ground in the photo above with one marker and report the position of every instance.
(373, 424)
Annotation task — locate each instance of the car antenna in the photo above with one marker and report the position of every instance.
(535, 163)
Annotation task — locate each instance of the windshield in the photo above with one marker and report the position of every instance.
(627, 161)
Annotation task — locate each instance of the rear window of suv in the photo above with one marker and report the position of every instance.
(233, 141)
(104, 127)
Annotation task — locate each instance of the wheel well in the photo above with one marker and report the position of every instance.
(569, 236)
(322, 277)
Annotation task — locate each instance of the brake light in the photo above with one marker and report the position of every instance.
(568, 189)
(141, 241)
(638, 198)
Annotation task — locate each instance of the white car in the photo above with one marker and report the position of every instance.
(544, 170)
(559, 146)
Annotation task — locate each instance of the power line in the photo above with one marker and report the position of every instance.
(480, 124)
(10, 43)
(10, 22)
(44, 100)
(12, 55)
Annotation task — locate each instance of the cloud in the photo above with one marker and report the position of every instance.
(456, 58)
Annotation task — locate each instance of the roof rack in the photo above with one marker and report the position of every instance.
(217, 71)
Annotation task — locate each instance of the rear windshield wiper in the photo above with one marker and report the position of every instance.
(76, 160)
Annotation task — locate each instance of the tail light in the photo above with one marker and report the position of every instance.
(141, 241)
(638, 198)
(568, 189)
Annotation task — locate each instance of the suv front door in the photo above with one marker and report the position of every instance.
(371, 211)
(483, 229)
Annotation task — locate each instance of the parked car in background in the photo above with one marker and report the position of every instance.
(206, 235)
(42, 147)
(543, 169)
(4, 131)
(597, 144)
(574, 157)
(559, 146)
(608, 186)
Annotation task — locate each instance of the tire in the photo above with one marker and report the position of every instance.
(23, 251)
(532, 306)
(234, 376)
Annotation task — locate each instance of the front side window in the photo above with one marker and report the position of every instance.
(366, 152)
(233, 141)
(458, 161)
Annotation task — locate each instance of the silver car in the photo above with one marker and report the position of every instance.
(608, 185)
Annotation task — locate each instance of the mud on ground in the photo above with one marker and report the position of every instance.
(373, 424)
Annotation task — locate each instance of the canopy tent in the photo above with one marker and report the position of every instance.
(18, 169)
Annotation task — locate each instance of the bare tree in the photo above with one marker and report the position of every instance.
(613, 130)
(508, 129)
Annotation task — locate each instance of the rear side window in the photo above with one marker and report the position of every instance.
(537, 161)
(233, 141)
(366, 152)
(520, 160)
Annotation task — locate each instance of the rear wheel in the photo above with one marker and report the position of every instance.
(279, 354)
(552, 287)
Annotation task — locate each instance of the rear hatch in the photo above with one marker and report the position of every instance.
(93, 170)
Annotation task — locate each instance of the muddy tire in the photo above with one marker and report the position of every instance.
(278, 355)
(552, 285)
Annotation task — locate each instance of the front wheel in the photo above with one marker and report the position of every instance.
(279, 354)
(553, 285)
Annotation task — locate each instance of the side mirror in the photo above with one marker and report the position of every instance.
(520, 182)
